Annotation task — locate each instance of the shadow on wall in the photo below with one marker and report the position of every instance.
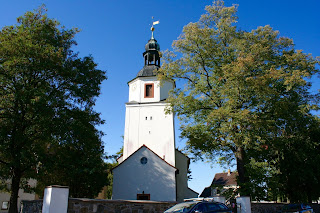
(154, 177)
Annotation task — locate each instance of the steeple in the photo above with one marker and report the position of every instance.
(149, 164)
(151, 56)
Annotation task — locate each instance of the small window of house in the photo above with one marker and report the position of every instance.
(148, 91)
(143, 196)
(5, 205)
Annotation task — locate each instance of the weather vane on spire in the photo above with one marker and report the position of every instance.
(152, 28)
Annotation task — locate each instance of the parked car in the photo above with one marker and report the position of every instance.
(199, 207)
(297, 208)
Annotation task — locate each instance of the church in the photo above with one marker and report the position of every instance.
(151, 168)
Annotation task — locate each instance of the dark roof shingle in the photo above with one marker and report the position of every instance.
(225, 179)
(146, 71)
(206, 192)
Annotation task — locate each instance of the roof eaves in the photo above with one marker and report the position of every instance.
(135, 102)
(148, 149)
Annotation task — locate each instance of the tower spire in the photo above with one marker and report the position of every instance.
(151, 55)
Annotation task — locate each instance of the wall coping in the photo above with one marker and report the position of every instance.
(120, 201)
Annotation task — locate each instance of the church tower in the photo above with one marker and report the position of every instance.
(146, 123)
(150, 167)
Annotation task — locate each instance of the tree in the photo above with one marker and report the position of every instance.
(112, 164)
(77, 160)
(47, 91)
(294, 155)
(234, 82)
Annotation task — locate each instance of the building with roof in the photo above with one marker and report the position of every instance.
(221, 183)
(22, 195)
(150, 168)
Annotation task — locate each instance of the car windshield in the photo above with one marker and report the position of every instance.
(215, 206)
(181, 207)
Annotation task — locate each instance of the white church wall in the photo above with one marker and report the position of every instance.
(156, 178)
(150, 126)
(137, 90)
(134, 90)
(131, 131)
(157, 132)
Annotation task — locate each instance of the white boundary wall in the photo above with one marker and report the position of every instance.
(243, 204)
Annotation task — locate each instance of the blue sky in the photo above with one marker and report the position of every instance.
(114, 32)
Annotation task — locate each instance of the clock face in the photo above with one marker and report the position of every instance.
(134, 87)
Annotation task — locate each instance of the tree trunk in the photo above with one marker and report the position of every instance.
(15, 183)
(243, 179)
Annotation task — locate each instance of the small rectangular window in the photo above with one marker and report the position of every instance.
(143, 196)
(148, 91)
(5, 205)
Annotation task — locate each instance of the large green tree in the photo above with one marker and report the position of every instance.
(235, 83)
(47, 94)
(76, 160)
(293, 155)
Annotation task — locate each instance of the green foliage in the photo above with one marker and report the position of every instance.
(108, 189)
(111, 165)
(295, 155)
(236, 87)
(47, 94)
(77, 159)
